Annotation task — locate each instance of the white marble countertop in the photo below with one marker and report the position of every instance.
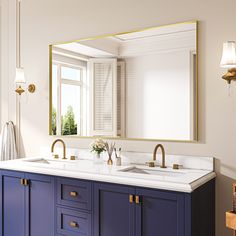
(182, 180)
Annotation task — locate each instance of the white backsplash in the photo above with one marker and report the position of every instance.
(190, 162)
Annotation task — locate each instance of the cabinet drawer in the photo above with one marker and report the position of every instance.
(74, 193)
(73, 223)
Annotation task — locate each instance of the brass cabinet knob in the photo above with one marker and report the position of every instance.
(73, 194)
(138, 200)
(74, 224)
(56, 156)
(135, 199)
(24, 182)
(131, 198)
(72, 158)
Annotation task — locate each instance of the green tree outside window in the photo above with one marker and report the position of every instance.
(69, 127)
(54, 121)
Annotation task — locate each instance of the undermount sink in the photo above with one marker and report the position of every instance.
(49, 162)
(40, 161)
(137, 170)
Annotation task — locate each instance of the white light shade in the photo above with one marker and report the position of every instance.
(20, 76)
(228, 59)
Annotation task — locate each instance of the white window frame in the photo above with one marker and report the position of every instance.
(80, 83)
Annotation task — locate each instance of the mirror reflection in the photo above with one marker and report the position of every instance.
(138, 85)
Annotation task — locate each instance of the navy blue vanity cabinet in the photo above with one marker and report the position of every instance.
(40, 205)
(159, 213)
(13, 206)
(27, 204)
(129, 211)
(40, 217)
(74, 207)
(114, 210)
(200, 211)
(132, 211)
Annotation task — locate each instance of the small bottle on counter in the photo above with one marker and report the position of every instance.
(118, 157)
(118, 161)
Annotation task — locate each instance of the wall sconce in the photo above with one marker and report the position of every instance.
(228, 60)
(20, 79)
(20, 74)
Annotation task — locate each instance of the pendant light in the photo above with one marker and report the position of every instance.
(228, 60)
(20, 74)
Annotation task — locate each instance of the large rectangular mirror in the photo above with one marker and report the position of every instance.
(137, 85)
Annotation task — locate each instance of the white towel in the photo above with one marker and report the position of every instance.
(8, 142)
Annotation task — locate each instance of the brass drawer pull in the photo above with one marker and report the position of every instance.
(131, 198)
(137, 200)
(26, 182)
(74, 224)
(22, 181)
(73, 194)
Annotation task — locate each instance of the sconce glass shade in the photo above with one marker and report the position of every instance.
(228, 59)
(20, 76)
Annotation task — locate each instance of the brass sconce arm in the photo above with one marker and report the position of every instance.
(31, 88)
(230, 75)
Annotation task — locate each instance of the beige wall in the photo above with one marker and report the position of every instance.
(49, 21)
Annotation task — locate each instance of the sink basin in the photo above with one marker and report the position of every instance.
(55, 163)
(43, 161)
(47, 162)
(39, 161)
(148, 171)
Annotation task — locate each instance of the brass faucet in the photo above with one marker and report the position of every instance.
(63, 144)
(163, 154)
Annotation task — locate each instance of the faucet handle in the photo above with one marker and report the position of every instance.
(150, 163)
(177, 166)
(56, 156)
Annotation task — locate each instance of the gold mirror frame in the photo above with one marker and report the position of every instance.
(195, 139)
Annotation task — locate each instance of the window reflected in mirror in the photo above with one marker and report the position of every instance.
(138, 85)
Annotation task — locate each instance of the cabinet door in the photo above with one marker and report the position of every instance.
(12, 204)
(40, 205)
(113, 213)
(159, 213)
